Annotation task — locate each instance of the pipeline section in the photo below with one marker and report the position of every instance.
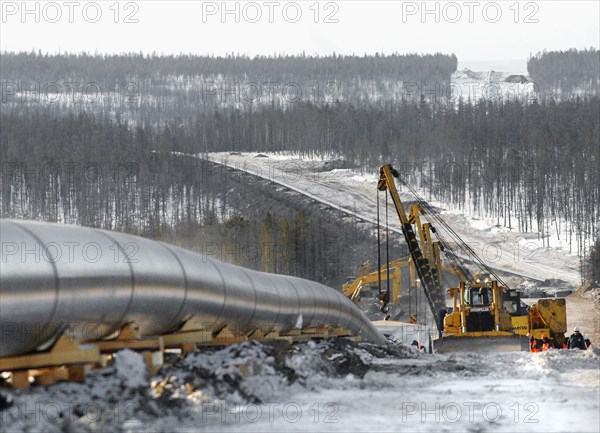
(92, 282)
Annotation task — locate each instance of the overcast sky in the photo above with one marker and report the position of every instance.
(483, 34)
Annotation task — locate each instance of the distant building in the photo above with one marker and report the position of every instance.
(521, 79)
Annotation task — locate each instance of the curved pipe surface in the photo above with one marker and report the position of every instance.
(92, 282)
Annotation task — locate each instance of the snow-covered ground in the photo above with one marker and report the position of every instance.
(354, 193)
(334, 385)
(471, 85)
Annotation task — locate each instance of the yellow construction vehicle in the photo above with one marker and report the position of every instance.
(355, 285)
(389, 302)
(483, 308)
(479, 320)
(546, 316)
(485, 314)
(365, 280)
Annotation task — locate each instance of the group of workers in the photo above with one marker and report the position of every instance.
(420, 347)
(575, 341)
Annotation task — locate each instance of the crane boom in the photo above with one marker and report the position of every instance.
(433, 291)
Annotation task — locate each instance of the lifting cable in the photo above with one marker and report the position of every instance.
(460, 242)
(387, 251)
(455, 260)
(419, 297)
(378, 248)
(410, 287)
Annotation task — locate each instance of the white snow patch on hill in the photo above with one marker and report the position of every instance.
(355, 193)
(473, 86)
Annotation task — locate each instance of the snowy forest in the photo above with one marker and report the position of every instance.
(566, 72)
(151, 88)
(39, 67)
(533, 165)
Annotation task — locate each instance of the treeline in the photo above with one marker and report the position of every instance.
(566, 72)
(591, 267)
(121, 67)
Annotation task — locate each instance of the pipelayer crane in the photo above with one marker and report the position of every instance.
(485, 314)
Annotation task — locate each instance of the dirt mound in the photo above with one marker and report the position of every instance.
(185, 392)
(583, 288)
(254, 372)
(553, 282)
(593, 294)
(467, 74)
(333, 164)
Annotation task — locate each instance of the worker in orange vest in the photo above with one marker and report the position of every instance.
(546, 343)
(533, 343)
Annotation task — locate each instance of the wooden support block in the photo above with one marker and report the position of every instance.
(53, 365)
(50, 376)
(271, 335)
(152, 343)
(225, 336)
(77, 373)
(64, 351)
(309, 333)
(104, 360)
(193, 324)
(299, 338)
(154, 361)
(188, 348)
(129, 339)
(44, 380)
(340, 332)
(293, 332)
(20, 379)
(274, 335)
(178, 339)
(257, 334)
(320, 331)
(128, 332)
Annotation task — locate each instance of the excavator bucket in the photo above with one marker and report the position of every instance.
(491, 343)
